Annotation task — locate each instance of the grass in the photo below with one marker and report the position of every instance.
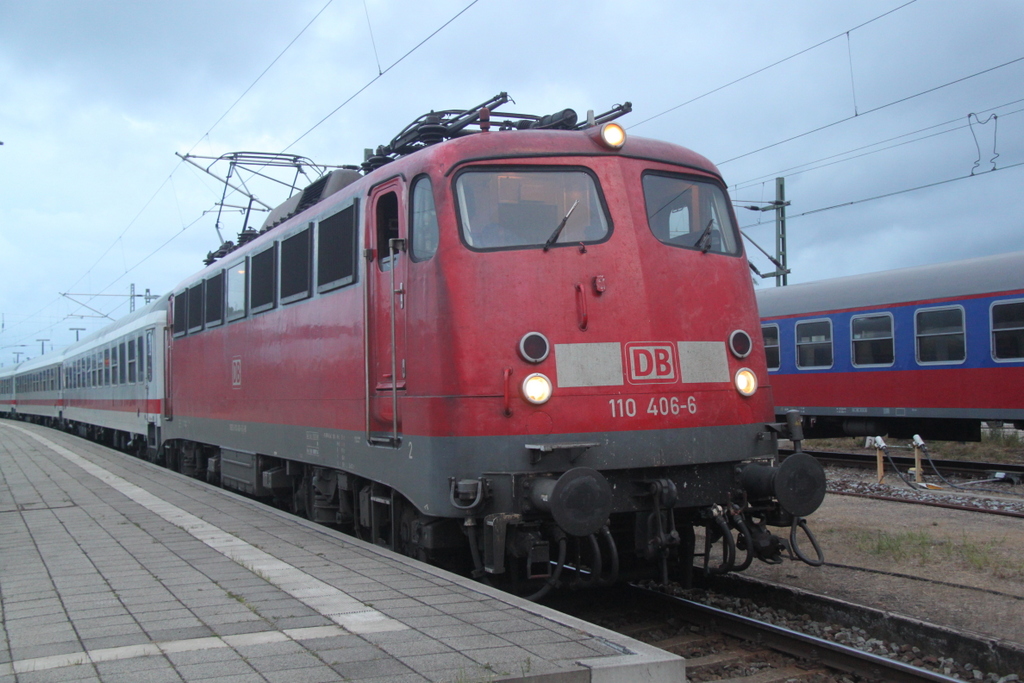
(1000, 448)
(922, 549)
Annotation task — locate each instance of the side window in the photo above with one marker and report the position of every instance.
(387, 228)
(149, 355)
(181, 313)
(872, 340)
(771, 346)
(940, 335)
(132, 375)
(214, 300)
(814, 344)
(424, 220)
(106, 367)
(236, 290)
(1008, 330)
(261, 280)
(336, 249)
(296, 258)
(114, 365)
(142, 359)
(195, 308)
(123, 364)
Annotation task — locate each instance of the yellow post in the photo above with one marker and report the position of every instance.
(917, 464)
(878, 455)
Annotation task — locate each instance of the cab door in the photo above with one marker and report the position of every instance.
(387, 269)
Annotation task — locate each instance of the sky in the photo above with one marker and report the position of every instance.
(865, 108)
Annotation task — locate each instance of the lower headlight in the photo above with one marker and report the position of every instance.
(537, 388)
(746, 381)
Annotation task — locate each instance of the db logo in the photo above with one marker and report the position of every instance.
(651, 363)
(236, 372)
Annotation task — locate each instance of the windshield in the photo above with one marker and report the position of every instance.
(689, 213)
(524, 207)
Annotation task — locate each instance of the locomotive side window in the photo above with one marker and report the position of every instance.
(940, 335)
(771, 346)
(814, 344)
(195, 307)
(872, 340)
(1008, 330)
(336, 249)
(296, 259)
(236, 291)
(530, 208)
(689, 213)
(261, 282)
(387, 228)
(215, 300)
(181, 313)
(425, 230)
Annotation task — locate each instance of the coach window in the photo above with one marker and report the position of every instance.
(296, 257)
(336, 249)
(149, 355)
(940, 335)
(689, 213)
(236, 291)
(1008, 330)
(131, 362)
(114, 365)
(142, 358)
(106, 367)
(195, 308)
(261, 280)
(814, 344)
(214, 300)
(771, 346)
(124, 363)
(872, 340)
(425, 230)
(180, 304)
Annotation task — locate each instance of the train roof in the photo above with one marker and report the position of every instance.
(971, 277)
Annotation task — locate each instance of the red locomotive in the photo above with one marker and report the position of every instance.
(522, 351)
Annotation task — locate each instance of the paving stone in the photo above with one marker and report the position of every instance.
(156, 602)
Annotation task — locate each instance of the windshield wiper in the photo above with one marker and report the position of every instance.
(704, 241)
(558, 230)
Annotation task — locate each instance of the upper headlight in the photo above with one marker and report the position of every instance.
(537, 388)
(613, 135)
(746, 381)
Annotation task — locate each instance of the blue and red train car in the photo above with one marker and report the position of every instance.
(522, 349)
(931, 350)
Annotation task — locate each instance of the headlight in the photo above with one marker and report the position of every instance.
(746, 381)
(537, 388)
(613, 135)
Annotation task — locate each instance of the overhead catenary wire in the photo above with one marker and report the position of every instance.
(773, 64)
(835, 158)
(872, 111)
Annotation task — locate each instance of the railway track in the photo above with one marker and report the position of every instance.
(1001, 480)
(722, 645)
(961, 468)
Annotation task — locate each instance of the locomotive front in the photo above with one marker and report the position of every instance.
(598, 381)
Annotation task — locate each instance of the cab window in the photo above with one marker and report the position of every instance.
(529, 208)
(689, 213)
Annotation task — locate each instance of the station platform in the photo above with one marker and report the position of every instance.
(115, 570)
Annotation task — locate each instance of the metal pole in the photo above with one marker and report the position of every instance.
(782, 279)
(131, 299)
